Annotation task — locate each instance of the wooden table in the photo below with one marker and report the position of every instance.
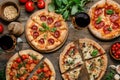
(54, 56)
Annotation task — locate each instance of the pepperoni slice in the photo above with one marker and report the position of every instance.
(51, 41)
(100, 25)
(57, 24)
(50, 20)
(35, 35)
(106, 29)
(98, 12)
(114, 17)
(115, 26)
(41, 41)
(34, 27)
(56, 34)
(43, 18)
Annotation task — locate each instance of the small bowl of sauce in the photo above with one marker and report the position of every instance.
(81, 20)
(9, 11)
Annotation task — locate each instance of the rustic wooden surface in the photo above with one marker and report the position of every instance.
(54, 56)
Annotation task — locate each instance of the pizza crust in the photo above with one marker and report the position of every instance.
(51, 68)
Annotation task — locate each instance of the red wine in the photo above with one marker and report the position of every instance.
(6, 42)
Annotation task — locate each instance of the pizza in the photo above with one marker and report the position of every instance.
(83, 52)
(46, 31)
(20, 66)
(105, 19)
(70, 58)
(45, 71)
(90, 48)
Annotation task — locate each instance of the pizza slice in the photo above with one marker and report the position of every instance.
(90, 48)
(72, 75)
(70, 58)
(33, 30)
(52, 42)
(96, 67)
(45, 71)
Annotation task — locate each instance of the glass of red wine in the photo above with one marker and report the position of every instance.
(7, 42)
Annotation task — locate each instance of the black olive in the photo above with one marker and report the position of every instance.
(82, 19)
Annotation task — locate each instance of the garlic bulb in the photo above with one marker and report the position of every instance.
(116, 77)
(16, 28)
(112, 66)
(118, 69)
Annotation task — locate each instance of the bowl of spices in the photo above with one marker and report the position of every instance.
(9, 10)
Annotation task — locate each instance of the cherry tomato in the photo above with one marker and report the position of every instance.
(45, 69)
(30, 61)
(14, 65)
(39, 71)
(1, 28)
(11, 73)
(41, 4)
(29, 6)
(25, 57)
(18, 60)
(23, 1)
(48, 73)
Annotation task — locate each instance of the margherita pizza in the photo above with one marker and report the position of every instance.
(46, 31)
(105, 19)
(21, 65)
(84, 52)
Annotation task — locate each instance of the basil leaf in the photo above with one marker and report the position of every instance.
(95, 52)
(51, 7)
(74, 10)
(99, 20)
(58, 3)
(66, 14)
(109, 12)
(77, 1)
(65, 2)
(45, 26)
(53, 29)
(42, 30)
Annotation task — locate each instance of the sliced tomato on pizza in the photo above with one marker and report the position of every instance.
(45, 71)
(69, 58)
(90, 48)
(96, 67)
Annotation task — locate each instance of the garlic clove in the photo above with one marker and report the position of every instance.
(118, 69)
(112, 66)
(116, 77)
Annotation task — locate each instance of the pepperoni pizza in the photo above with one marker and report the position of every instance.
(46, 31)
(105, 19)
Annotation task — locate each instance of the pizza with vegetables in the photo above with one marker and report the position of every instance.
(22, 65)
(83, 52)
(46, 31)
(45, 71)
(105, 19)
(90, 49)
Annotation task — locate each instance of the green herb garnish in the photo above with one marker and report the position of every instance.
(42, 30)
(33, 56)
(45, 26)
(99, 20)
(95, 52)
(110, 75)
(41, 75)
(18, 75)
(109, 12)
(53, 29)
(41, 65)
(67, 7)
(109, 29)
(20, 65)
(69, 62)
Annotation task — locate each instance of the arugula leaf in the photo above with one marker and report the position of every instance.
(110, 11)
(53, 29)
(99, 20)
(74, 10)
(58, 3)
(51, 7)
(66, 14)
(95, 52)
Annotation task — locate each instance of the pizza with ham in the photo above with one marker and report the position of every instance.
(46, 31)
(83, 52)
(105, 19)
(20, 66)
